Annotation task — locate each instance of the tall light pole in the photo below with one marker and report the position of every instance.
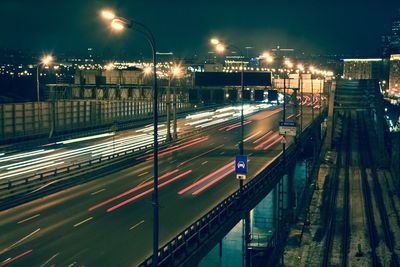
(119, 24)
(175, 71)
(288, 64)
(46, 60)
(220, 48)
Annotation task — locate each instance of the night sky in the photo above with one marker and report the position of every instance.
(184, 27)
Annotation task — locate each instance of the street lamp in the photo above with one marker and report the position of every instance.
(46, 60)
(119, 24)
(175, 71)
(220, 48)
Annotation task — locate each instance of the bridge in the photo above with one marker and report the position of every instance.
(88, 201)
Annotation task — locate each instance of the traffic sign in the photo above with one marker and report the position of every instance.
(287, 128)
(241, 164)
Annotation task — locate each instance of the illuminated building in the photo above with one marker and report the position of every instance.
(362, 68)
(394, 75)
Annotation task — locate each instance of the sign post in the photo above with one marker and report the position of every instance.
(241, 167)
(287, 128)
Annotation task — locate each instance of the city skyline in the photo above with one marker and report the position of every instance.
(184, 28)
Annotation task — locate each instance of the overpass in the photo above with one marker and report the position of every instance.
(105, 202)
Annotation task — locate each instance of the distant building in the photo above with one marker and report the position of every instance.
(391, 42)
(109, 77)
(213, 67)
(394, 75)
(363, 68)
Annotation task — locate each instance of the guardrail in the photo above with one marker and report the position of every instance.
(16, 191)
(181, 247)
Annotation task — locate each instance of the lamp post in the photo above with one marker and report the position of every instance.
(44, 61)
(119, 24)
(288, 64)
(220, 48)
(174, 72)
(300, 68)
(246, 221)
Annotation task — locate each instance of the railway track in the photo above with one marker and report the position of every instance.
(358, 228)
(368, 163)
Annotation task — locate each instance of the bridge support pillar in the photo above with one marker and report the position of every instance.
(395, 158)
(331, 100)
(290, 192)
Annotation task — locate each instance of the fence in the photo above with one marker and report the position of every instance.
(32, 118)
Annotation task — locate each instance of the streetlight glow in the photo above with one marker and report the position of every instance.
(220, 48)
(117, 25)
(108, 14)
(176, 71)
(147, 70)
(214, 41)
(300, 67)
(288, 63)
(268, 58)
(47, 60)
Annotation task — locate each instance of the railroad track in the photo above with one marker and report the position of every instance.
(368, 162)
(337, 226)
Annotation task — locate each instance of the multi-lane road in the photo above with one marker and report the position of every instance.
(108, 221)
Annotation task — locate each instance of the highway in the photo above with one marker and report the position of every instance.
(21, 164)
(108, 221)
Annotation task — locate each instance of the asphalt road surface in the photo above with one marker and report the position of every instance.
(108, 221)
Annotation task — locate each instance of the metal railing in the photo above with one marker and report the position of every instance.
(19, 190)
(180, 248)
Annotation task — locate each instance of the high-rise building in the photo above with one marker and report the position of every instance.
(391, 42)
(362, 68)
(395, 38)
(394, 75)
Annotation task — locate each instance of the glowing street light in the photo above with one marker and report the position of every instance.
(46, 60)
(147, 70)
(220, 48)
(288, 63)
(300, 67)
(214, 41)
(108, 14)
(267, 57)
(175, 72)
(118, 23)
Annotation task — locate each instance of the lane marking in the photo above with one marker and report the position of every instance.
(270, 139)
(222, 153)
(143, 174)
(202, 154)
(205, 162)
(201, 189)
(273, 143)
(52, 258)
(19, 241)
(209, 176)
(10, 260)
(147, 191)
(262, 137)
(30, 218)
(136, 188)
(72, 264)
(98, 191)
(82, 222)
(251, 136)
(136, 225)
(146, 181)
